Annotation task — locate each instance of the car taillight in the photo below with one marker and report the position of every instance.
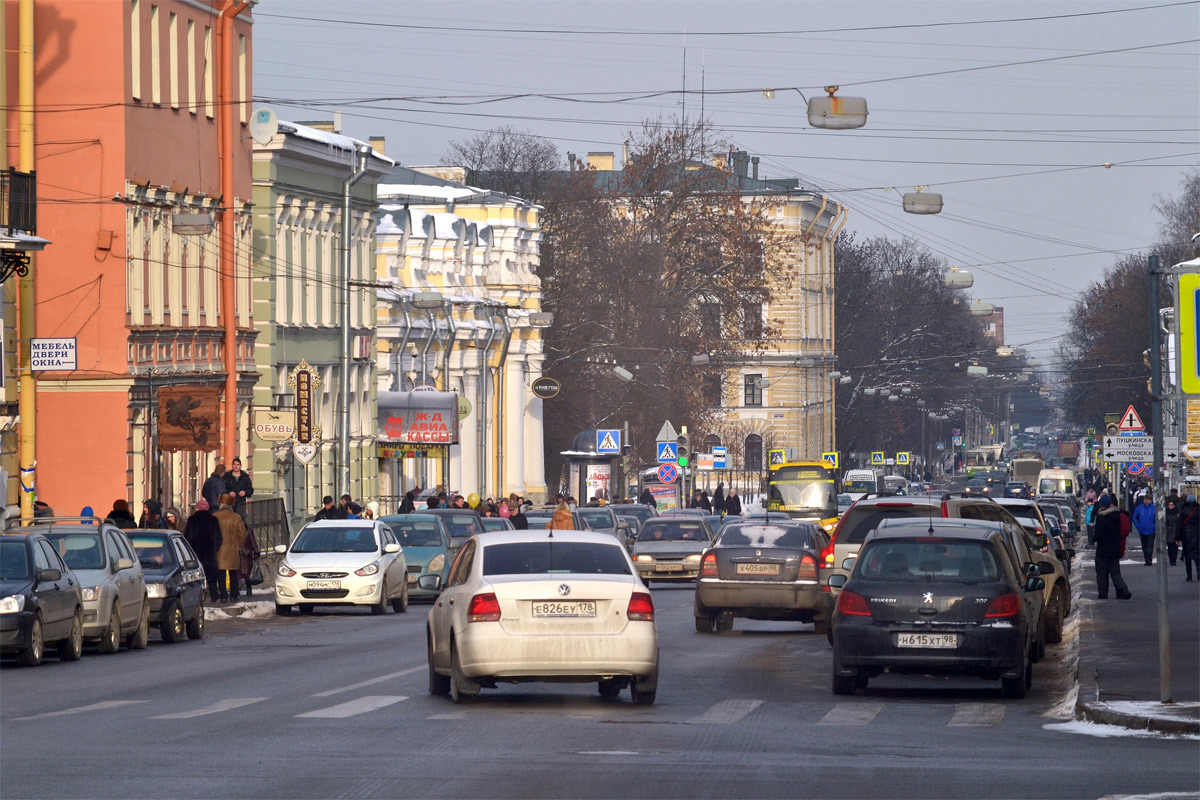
(853, 604)
(641, 607)
(945, 509)
(708, 567)
(827, 553)
(808, 568)
(1005, 605)
(484, 608)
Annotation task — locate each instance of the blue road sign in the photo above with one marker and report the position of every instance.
(958, 441)
(941, 445)
(667, 473)
(608, 442)
(668, 452)
(719, 455)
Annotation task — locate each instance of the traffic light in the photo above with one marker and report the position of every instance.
(683, 448)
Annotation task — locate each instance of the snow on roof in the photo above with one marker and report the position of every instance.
(336, 141)
(431, 192)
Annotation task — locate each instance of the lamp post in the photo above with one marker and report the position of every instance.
(361, 154)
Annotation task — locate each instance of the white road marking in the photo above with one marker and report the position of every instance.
(451, 715)
(370, 682)
(372, 702)
(851, 714)
(215, 708)
(726, 712)
(979, 715)
(84, 709)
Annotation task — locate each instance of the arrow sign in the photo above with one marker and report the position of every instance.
(668, 452)
(1131, 449)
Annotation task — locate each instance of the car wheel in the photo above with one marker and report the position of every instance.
(32, 656)
(195, 626)
(401, 605)
(1028, 675)
(1053, 627)
(71, 648)
(704, 625)
(439, 684)
(1015, 688)
(610, 689)
(381, 606)
(172, 628)
(644, 690)
(282, 610)
(141, 636)
(723, 622)
(843, 684)
(462, 688)
(111, 642)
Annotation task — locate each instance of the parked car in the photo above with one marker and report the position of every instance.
(935, 597)
(175, 583)
(115, 605)
(540, 518)
(342, 562)
(496, 524)
(844, 502)
(669, 548)
(641, 511)
(426, 545)
(535, 606)
(461, 523)
(40, 601)
(715, 521)
(762, 572)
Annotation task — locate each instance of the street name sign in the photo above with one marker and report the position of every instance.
(1132, 449)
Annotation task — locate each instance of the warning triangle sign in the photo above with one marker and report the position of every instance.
(608, 443)
(1130, 421)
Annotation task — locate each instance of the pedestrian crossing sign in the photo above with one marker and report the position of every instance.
(668, 452)
(877, 458)
(902, 459)
(608, 442)
(831, 459)
(776, 457)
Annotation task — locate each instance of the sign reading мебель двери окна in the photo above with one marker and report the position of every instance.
(53, 354)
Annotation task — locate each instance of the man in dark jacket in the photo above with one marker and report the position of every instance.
(1171, 527)
(215, 486)
(1109, 545)
(718, 499)
(733, 503)
(329, 511)
(239, 484)
(203, 533)
(1189, 535)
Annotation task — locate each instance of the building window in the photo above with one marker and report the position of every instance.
(208, 72)
(173, 58)
(191, 66)
(135, 48)
(714, 394)
(753, 453)
(155, 58)
(754, 390)
(243, 76)
(752, 320)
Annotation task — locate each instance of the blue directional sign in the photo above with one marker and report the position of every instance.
(719, 455)
(668, 452)
(608, 442)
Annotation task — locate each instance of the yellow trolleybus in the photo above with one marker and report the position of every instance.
(804, 490)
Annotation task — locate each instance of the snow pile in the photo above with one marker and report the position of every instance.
(251, 609)
(1112, 731)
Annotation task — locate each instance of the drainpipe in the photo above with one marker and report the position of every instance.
(425, 349)
(453, 334)
(398, 367)
(27, 392)
(227, 142)
(361, 154)
(481, 423)
(500, 387)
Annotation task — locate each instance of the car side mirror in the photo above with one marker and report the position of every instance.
(1045, 568)
(190, 564)
(391, 547)
(1032, 569)
(281, 549)
(430, 583)
(1040, 540)
(124, 563)
(1034, 584)
(837, 581)
(623, 526)
(49, 575)
(848, 563)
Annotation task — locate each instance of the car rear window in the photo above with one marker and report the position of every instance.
(793, 536)
(910, 560)
(596, 518)
(861, 520)
(153, 551)
(553, 558)
(79, 550)
(416, 533)
(672, 530)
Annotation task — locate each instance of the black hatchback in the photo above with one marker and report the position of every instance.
(175, 583)
(40, 601)
(935, 597)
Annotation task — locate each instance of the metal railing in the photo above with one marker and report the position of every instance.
(18, 201)
(269, 519)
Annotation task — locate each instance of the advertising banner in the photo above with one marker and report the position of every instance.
(418, 417)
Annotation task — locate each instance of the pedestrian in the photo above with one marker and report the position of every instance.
(173, 519)
(215, 486)
(203, 533)
(733, 503)
(328, 510)
(563, 519)
(1145, 521)
(353, 510)
(594, 502)
(344, 504)
(42, 510)
(1171, 527)
(239, 485)
(572, 503)
(248, 555)
(705, 503)
(694, 501)
(718, 499)
(647, 499)
(121, 517)
(1189, 535)
(1089, 521)
(371, 511)
(1109, 547)
(1091, 496)
(431, 501)
(504, 512)
(408, 505)
(229, 556)
(151, 515)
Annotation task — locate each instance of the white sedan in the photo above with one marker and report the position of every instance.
(556, 606)
(342, 562)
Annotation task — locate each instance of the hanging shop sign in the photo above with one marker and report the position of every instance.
(418, 417)
(274, 426)
(189, 418)
(305, 380)
(546, 388)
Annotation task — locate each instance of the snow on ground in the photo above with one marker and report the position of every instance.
(1113, 731)
(251, 609)
(1150, 708)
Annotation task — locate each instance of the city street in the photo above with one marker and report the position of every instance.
(335, 705)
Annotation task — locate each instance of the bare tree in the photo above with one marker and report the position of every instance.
(507, 160)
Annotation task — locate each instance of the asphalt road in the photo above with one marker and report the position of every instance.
(335, 705)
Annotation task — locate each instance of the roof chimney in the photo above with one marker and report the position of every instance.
(602, 162)
(320, 125)
(625, 155)
(378, 143)
(754, 162)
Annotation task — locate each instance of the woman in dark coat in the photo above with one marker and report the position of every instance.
(121, 517)
(407, 505)
(647, 499)
(249, 554)
(203, 533)
(1189, 535)
(718, 499)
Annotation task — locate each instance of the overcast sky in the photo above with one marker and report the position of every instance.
(1033, 241)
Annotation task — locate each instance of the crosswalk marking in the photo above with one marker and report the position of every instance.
(851, 714)
(977, 715)
(726, 712)
(372, 702)
(370, 682)
(450, 715)
(215, 708)
(84, 709)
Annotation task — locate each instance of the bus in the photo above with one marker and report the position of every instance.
(805, 490)
(982, 459)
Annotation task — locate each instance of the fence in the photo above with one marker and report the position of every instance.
(268, 517)
(18, 201)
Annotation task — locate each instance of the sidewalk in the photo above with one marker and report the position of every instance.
(1118, 657)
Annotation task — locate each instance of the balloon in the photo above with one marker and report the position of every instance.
(473, 500)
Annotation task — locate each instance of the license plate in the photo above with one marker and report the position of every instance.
(412, 577)
(571, 608)
(324, 584)
(933, 641)
(668, 568)
(756, 569)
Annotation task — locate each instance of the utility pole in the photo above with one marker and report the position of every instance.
(361, 154)
(27, 399)
(1160, 542)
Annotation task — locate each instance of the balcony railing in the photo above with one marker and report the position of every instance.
(18, 202)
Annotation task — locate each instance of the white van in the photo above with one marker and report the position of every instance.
(1057, 481)
(860, 482)
(896, 484)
